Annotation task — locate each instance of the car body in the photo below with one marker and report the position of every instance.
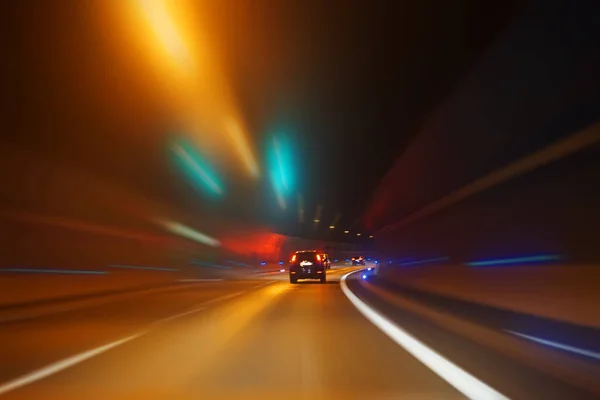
(358, 260)
(307, 264)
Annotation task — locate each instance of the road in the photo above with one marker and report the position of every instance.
(261, 339)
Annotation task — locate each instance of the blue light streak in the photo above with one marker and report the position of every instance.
(515, 260)
(425, 261)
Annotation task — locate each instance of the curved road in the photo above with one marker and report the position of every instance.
(243, 339)
(263, 339)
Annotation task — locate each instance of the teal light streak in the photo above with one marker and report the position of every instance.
(279, 160)
(189, 233)
(198, 172)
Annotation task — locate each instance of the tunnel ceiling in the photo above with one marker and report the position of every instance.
(343, 87)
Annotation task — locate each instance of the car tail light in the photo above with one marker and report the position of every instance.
(318, 257)
(293, 258)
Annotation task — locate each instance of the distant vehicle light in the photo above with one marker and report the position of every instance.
(335, 260)
(282, 270)
(263, 263)
(368, 269)
(364, 277)
(376, 262)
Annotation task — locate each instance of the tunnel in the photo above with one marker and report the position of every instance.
(167, 166)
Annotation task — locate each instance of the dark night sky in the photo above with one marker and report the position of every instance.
(353, 81)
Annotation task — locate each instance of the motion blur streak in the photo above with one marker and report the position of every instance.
(460, 379)
(553, 152)
(515, 260)
(198, 171)
(189, 233)
(556, 345)
(165, 29)
(201, 97)
(52, 271)
(242, 146)
(83, 226)
(425, 261)
(278, 156)
(279, 163)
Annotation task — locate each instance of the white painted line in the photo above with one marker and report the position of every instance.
(464, 382)
(61, 365)
(201, 280)
(572, 349)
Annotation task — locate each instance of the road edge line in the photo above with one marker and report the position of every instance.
(461, 380)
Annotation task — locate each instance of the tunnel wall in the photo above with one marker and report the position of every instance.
(528, 243)
(67, 232)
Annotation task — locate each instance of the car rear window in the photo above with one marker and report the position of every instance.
(308, 256)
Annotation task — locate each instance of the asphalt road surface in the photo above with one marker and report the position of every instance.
(261, 339)
(256, 339)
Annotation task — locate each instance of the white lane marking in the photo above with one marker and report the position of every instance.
(557, 345)
(464, 382)
(61, 365)
(201, 280)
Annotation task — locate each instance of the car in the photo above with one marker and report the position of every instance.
(358, 260)
(307, 264)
